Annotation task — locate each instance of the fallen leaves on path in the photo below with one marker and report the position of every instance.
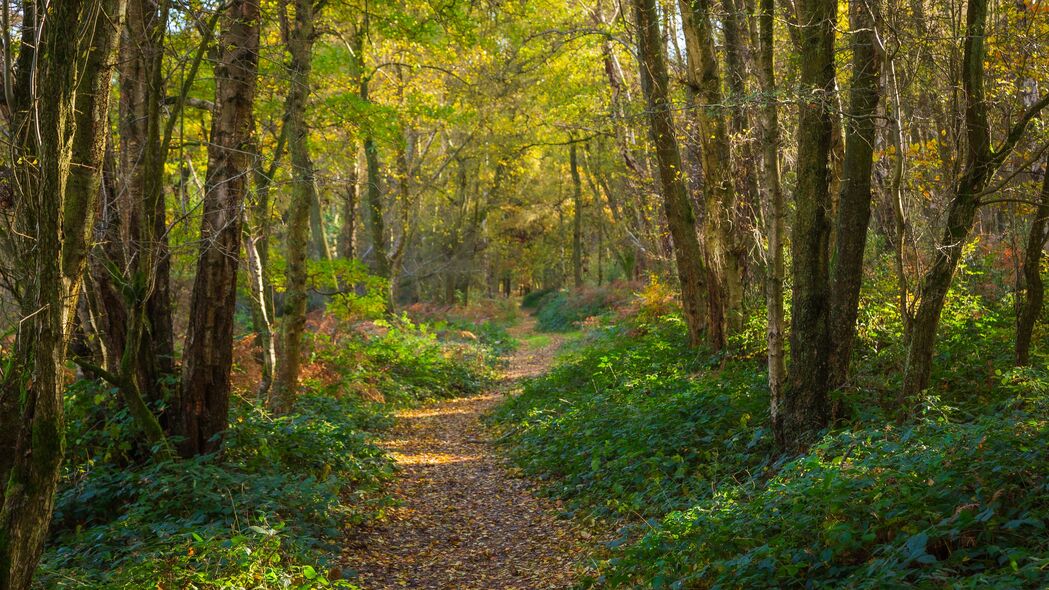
(464, 522)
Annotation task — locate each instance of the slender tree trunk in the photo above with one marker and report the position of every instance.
(53, 225)
(208, 355)
(303, 193)
(257, 253)
(374, 209)
(680, 217)
(804, 410)
(980, 165)
(142, 170)
(1032, 293)
(351, 196)
(577, 217)
(775, 208)
(318, 241)
(854, 204)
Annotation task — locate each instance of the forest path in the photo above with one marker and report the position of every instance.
(463, 520)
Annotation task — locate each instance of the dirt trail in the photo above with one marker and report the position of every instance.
(465, 522)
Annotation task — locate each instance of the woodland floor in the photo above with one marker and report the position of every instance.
(464, 519)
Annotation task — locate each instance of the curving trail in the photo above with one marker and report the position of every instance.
(464, 521)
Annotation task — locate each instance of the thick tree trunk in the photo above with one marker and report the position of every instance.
(208, 355)
(676, 205)
(775, 209)
(854, 203)
(725, 274)
(1032, 294)
(303, 193)
(54, 224)
(577, 217)
(804, 410)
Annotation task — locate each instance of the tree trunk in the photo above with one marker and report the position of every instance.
(303, 193)
(854, 203)
(351, 195)
(53, 224)
(208, 354)
(142, 170)
(775, 208)
(680, 217)
(577, 217)
(804, 410)
(374, 208)
(1032, 294)
(980, 165)
(256, 247)
(725, 273)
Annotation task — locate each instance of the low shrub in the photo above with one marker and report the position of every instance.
(267, 510)
(673, 444)
(272, 507)
(561, 311)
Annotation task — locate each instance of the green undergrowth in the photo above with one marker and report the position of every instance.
(673, 448)
(566, 310)
(270, 510)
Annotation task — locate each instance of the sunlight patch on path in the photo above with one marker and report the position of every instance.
(464, 521)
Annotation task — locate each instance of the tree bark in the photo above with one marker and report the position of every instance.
(854, 203)
(724, 271)
(775, 208)
(577, 217)
(1032, 294)
(680, 218)
(374, 208)
(303, 193)
(141, 170)
(208, 354)
(804, 410)
(351, 196)
(981, 162)
(53, 224)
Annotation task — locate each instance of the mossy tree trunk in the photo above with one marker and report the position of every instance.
(774, 207)
(680, 217)
(803, 410)
(854, 202)
(61, 92)
(1032, 292)
(300, 39)
(704, 76)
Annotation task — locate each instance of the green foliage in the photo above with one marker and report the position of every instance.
(265, 512)
(931, 504)
(562, 311)
(634, 427)
(272, 508)
(405, 361)
(621, 427)
(533, 299)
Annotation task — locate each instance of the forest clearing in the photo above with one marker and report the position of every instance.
(524, 294)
